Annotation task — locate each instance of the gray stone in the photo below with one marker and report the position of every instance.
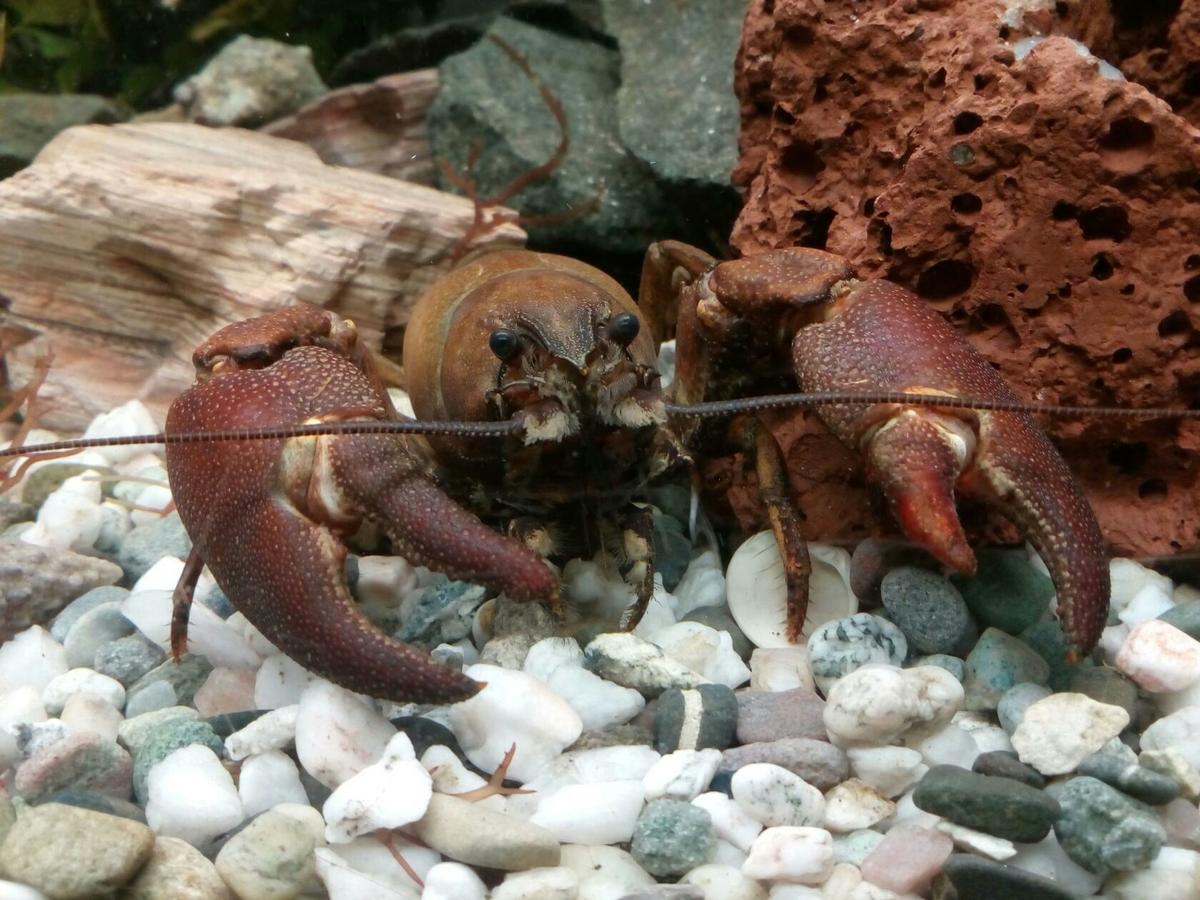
(1117, 765)
(677, 79)
(1018, 698)
(1006, 591)
(773, 715)
(927, 608)
(716, 708)
(183, 677)
(998, 662)
(443, 614)
(136, 730)
(127, 659)
(672, 837)
(86, 602)
(250, 82)
(29, 121)
(485, 101)
(176, 871)
(976, 878)
(147, 544)
(67, 852)
(1006, 764)
(37, 582)
(1105, 685)
(818, 762)
(1185, 616)
(92, 630)
(1103, 830)
(952, 664)
(164, 741)
(999, 806)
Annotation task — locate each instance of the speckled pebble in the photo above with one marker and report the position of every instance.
(443, 614)
(80, 761)
(928, 609)
(844, 645)
(672, 837)
(146, 544)
(1103, 830)
(136, 730)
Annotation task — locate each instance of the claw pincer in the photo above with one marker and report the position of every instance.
(877, 336)
(268, 516)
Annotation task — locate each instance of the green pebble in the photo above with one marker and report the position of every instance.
(1117, 765)
(999, 806)
(1103, 830)
(975, 878)
(165, 741)
(998, 662)
(1185, 616)
(952, 664)
(184, 677)
(1048, 641)
(136, 730)
(1006, 591)
(672, 837)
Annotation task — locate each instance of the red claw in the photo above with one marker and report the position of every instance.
(879, 337)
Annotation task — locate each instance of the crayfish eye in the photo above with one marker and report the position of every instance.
(504, 343)
(624, 328)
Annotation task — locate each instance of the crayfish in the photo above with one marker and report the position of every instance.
(540, 372)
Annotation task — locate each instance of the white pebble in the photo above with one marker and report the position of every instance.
(344, 882)
(280, 682)
(1179, 731)
(131, 417)
(275, 730)
(88, 712)
(705, 651)
(875, 704)
(730, 821)
(31, 659)
(681, 775)
(702, 584)
(268, 779)
(192, 797)
(1128, 578)
(208, 634)
(781, 669)
(388, 794)
(724, 881)
(453, 881)
(337, 734)
(1048, 859)
(854, 805)
(1058, 731)
(601, 764)
(369, 855)
(605, 872)
(70, 518)
(1147, 604)
(514, 708)
(796, 854)
(776, 796)
(598, 813)
(81, 681)
(600, 704)
(890, 770)
(450, 776)
(1160, 658)
(952, 746)
(549, 883)
(973, 841)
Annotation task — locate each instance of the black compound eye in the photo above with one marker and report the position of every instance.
(624, 328)
(504, 343)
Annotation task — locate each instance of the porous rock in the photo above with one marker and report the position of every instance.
(1048, 209)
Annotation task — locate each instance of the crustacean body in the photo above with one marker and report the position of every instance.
(559, 347)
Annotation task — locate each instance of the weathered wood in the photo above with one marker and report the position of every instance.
(376, 127)
(124, 246)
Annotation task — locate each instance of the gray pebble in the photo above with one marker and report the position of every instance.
(1018, 698)
(928, 609)
(147, 544)
(818, 762)
(1103, 830)
(92, 630)
(843, 645)
(129, 658)
(76, 608)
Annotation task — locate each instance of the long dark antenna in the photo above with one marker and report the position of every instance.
(679, 410)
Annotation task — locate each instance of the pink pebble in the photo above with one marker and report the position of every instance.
(225, 690)
(1159, 657)
(907, 859)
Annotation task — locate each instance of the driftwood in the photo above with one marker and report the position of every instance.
(376, 127)
(124, 246)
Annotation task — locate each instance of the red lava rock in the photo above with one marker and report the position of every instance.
(1051, 213)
